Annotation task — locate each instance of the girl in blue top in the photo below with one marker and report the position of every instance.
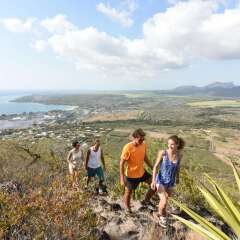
(164, 181)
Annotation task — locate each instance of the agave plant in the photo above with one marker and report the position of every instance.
(221, 204)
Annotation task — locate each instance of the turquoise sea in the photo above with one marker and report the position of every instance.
(7, 107)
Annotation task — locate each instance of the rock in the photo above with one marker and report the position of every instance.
(121, 231)
(12, 186)
(103, 202)
(99, 234)
(115, 207)
(104, 236)
(140, 225)
(117, 220)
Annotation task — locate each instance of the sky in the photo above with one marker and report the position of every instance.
(118, 45)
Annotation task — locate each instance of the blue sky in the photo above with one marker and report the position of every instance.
(113, 45)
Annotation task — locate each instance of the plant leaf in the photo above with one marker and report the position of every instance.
(227, 202)
(221, 210)
(236, 174)
(199, 229)
(204, 223)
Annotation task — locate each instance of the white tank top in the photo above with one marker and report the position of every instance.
(76, 157)
(94, 158)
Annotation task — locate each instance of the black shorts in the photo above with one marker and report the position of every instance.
(132, 183)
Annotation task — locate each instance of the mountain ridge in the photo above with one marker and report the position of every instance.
(215, 89)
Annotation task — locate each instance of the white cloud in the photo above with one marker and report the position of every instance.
(185, 32)
(58, 24)
(124, 17)
(39, 45)
(93, 50)
(195, 29)
(18, 25)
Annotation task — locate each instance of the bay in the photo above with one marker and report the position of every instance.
(8, 107)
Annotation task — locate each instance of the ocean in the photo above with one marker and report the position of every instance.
(7, 107)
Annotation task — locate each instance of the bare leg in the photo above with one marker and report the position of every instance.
(77, 177)
(164, 194)
(71, 172)
(127, 198)
(88, 180)
(72, 179)
(74, 175)
(150, 192)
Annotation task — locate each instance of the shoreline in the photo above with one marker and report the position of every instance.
(28, 116)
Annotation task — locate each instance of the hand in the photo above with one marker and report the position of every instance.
(153, 185)
(122, 181)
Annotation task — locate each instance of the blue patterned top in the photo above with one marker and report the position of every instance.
(167, 173)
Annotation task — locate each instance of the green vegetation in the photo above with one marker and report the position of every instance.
(222, 205)
(48, 208)
(40, 164)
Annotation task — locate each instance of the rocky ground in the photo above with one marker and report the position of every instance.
(116, 224)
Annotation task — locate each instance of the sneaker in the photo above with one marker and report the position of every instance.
(100, 191)
(162, 221)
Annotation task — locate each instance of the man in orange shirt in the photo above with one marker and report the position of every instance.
(134, 154)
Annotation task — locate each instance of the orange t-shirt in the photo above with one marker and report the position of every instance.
(134, 155)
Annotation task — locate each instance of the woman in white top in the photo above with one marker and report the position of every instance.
(75, 160)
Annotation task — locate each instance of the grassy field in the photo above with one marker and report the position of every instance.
(215, 103)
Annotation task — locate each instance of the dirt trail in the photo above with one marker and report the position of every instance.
(140, 225)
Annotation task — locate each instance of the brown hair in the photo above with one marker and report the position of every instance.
(75, 143)
(94, 140)
(179, 141)
(138, 133)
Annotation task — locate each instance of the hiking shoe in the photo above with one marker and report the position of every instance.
(162, 221)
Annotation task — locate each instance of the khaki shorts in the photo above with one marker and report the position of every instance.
(72, 167)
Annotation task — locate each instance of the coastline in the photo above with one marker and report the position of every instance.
(14, 114)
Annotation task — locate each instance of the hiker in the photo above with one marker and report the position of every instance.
(164, 181)
(75, 159)
(134, 155)
(93, 163)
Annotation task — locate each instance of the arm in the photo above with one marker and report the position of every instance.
(103, 160)
(178, 170)
(122, 162)
(82, 156)
(87, 159)
(146, 160)
(157, 163)
(69, 157)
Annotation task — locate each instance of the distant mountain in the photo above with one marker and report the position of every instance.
(221, 85)
(216, 89)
